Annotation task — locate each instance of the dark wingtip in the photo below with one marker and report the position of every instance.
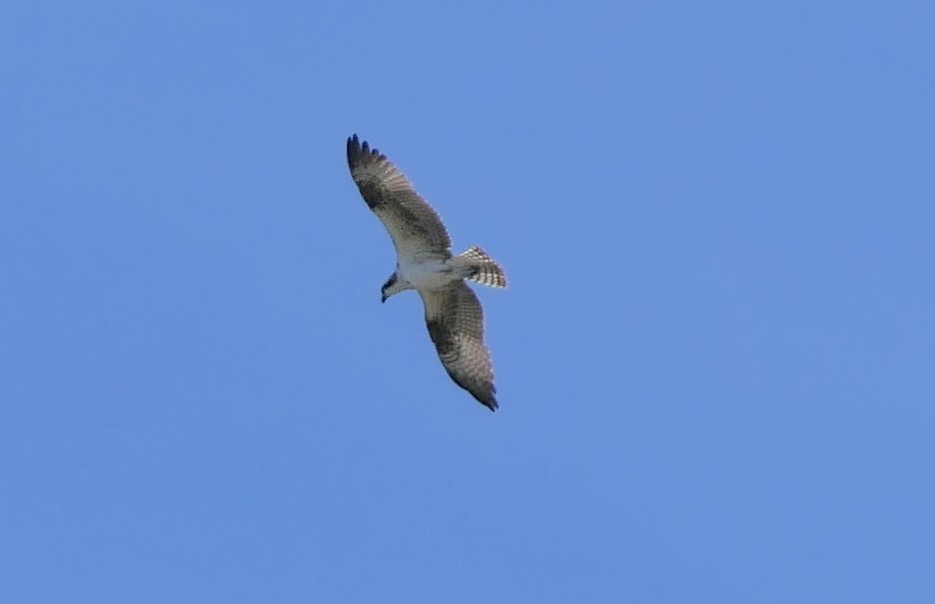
(356, 149)
(353, 148)
(486, 396)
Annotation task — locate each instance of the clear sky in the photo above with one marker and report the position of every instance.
(715, 359)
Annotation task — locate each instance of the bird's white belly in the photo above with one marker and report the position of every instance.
(428, 274)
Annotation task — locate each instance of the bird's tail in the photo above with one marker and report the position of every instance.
(481, 268)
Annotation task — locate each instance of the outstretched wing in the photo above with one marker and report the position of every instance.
(455, 320)
(412, 223)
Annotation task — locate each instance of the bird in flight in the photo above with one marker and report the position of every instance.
(424, 262)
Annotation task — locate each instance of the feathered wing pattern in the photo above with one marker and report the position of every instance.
(455, 321)
(412, 223)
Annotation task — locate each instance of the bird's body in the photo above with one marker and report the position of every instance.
(453, 314)
(428, 273)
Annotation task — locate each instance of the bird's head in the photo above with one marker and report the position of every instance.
(393, 285)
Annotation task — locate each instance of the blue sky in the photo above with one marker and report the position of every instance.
(715, 358)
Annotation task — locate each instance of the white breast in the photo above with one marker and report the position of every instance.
(427, 274)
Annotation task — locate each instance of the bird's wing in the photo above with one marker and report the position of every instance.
(412, 223)
(455, 320)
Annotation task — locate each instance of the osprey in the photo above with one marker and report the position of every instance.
(425, 263)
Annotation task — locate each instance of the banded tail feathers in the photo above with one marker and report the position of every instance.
(481, 268)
